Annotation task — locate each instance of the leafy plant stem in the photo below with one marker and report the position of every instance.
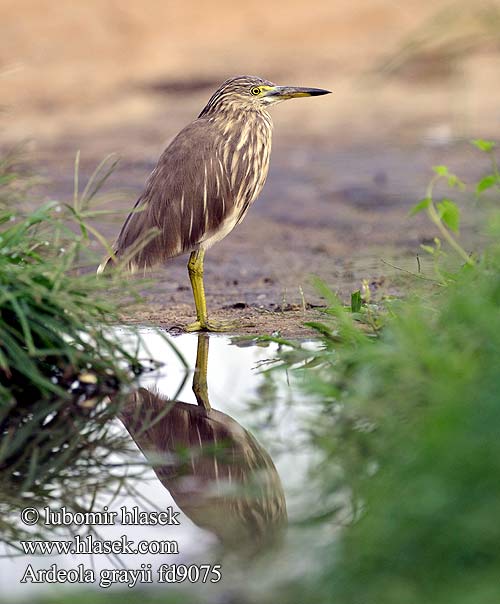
(436, 219)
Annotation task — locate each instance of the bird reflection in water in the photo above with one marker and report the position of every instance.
(216, 471)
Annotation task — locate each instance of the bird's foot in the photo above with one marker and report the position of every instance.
(216, 326)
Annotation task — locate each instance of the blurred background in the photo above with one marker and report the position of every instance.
(412, 82)
(84, 69)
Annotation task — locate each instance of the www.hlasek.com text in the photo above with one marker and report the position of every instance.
(90, 545)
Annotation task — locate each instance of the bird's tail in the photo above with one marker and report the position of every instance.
(117, 261)
(106, 263)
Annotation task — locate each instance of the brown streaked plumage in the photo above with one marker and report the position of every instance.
(205, 181)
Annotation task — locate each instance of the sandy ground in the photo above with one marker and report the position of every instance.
(412, 83)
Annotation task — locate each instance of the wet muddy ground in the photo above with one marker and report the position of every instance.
(328, 210)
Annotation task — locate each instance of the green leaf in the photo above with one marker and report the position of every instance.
(421, 205)
(483, 145)
(454, 181)
(319, 327)
(486, 183)
(441, 170)
(356, 301)
(428, 248)
(449, 214)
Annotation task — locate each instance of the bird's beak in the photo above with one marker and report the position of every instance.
(293, 92)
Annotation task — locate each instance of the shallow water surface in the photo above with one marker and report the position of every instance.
(230, 471)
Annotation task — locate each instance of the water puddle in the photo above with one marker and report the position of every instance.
(229, 467)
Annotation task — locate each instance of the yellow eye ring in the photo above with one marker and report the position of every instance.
(255, 91)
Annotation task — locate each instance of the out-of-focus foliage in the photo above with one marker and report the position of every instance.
(54, 317)
(408, 432)
(59, 357)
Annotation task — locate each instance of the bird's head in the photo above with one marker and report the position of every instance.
(251, 92)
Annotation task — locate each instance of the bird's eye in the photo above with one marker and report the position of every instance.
(255, 91)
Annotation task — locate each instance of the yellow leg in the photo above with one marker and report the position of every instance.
(195, 270)
(200, 385)
(202, 323)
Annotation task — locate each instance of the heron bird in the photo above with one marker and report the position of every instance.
(204, 183)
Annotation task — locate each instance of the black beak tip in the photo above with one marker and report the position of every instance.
(319, 92)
